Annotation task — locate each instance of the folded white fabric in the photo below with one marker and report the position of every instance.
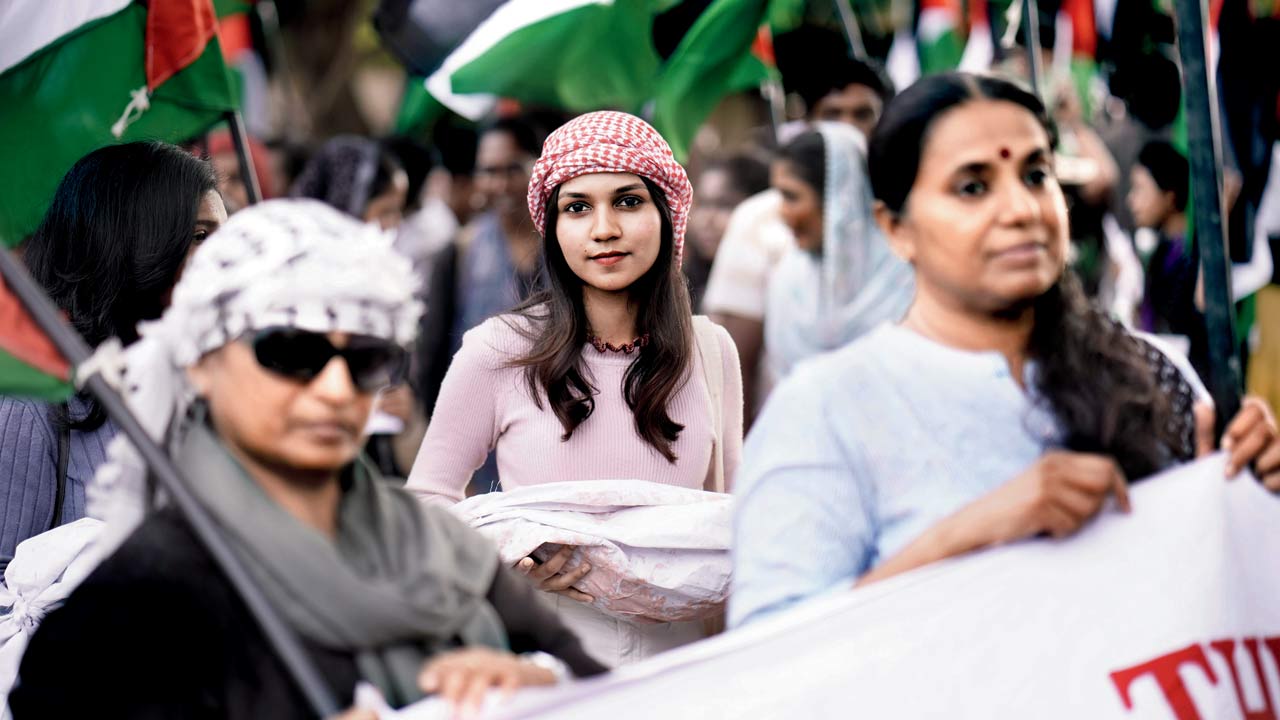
(44, 570)
(657, 553)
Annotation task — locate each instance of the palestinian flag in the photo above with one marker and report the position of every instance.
(583, 55)
(1078, 18)
(980, 49)
(419, 109)
(903, 62)
(729, 48)
(576, 54)
(29, 364)
(938, 35)
(75, 76)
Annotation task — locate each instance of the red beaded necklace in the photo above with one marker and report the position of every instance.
(628, 348)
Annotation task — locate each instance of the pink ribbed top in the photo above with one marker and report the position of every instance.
(484, 404)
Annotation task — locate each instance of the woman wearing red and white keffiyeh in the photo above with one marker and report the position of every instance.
(604, 376)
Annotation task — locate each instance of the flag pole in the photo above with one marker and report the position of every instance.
(75, 351)
(1031, 39)
(240, 137)
(774, 94)
(1204, 156)
(851, 29)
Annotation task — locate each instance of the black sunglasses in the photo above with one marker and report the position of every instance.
(374, 363)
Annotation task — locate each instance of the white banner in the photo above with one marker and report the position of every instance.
(1170, 612)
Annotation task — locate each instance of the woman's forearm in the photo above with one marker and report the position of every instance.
(955, 535)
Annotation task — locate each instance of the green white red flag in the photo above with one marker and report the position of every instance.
(76, 76)
(939, 35)
(583, 55)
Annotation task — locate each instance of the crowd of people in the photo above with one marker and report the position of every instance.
(904, 332)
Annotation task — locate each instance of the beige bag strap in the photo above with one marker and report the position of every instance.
(708, 342)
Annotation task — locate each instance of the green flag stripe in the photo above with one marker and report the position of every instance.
(21, 380)
(942, 54)
(715, 54)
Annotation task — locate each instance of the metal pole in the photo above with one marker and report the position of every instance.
(851, 29)
(1204, 155)
(1031, 38)
(269, 17)
(772, 91)
(240, 137)
(73, 348)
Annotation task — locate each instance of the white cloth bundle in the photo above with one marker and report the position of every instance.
(657, 553)
(44, 570)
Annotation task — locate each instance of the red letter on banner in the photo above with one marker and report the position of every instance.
(1227, 648)
(1165, 671)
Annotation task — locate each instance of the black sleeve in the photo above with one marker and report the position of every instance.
(532, 626)
(112, 651)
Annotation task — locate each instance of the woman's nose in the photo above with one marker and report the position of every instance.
(1019, 204)
(334, 382)
(604, 226)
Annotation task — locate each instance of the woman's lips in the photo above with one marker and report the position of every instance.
(607, 259)
(328, 432)
(1023, 253)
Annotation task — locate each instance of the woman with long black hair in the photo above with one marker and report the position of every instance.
(1002, 407)
(601, 376)
(122, 223)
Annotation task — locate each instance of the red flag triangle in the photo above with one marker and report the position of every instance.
(177, 33)
(23, 339)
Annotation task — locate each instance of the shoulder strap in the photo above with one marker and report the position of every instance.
(705, 337)
(64, 457)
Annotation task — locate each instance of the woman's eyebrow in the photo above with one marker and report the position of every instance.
(618, 191)
(972, 168)
(1037, 155)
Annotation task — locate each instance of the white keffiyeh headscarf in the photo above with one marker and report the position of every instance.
(293, 263)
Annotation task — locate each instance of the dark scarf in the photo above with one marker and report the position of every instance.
(398, 585)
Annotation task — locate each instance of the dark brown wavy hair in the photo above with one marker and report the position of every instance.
(555, 320)
(1093, 375)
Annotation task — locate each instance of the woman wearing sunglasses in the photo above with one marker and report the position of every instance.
(602, 375)
(1002, 407)
(260, 378)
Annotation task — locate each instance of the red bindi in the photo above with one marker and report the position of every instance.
(1005, 154)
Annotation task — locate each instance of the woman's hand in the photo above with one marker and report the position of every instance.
(1251, 439)
(547, 576)
(462, 677)
(1057, 495)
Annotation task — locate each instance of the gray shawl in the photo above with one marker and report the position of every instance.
(400, 582)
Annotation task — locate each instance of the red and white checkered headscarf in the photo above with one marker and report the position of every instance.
(607, 141)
